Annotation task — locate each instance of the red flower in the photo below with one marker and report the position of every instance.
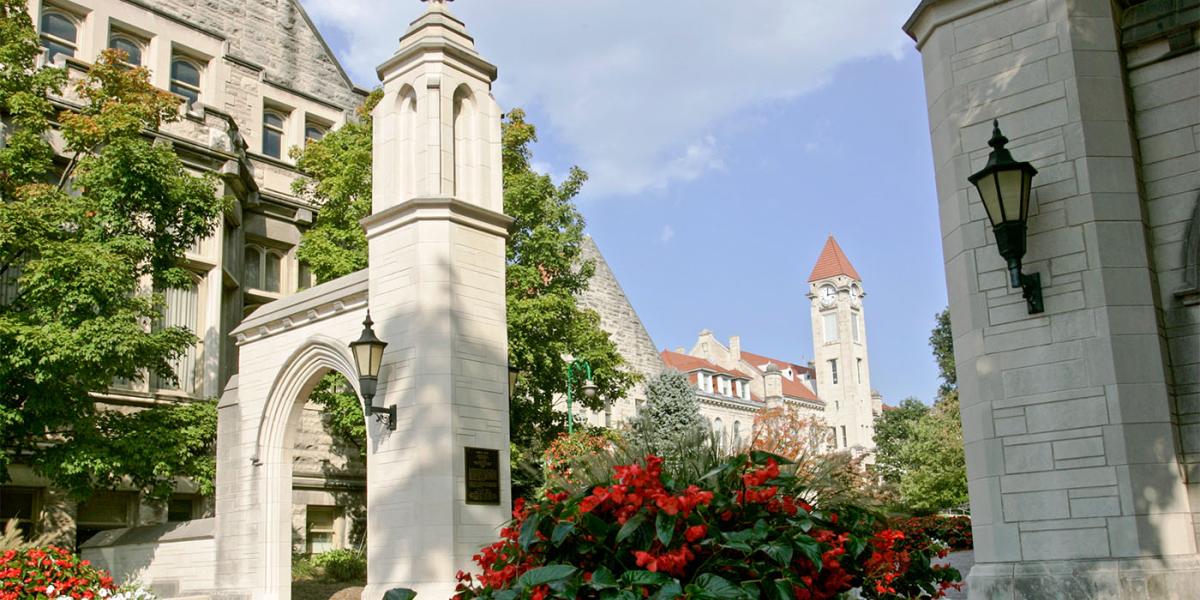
(695, 532)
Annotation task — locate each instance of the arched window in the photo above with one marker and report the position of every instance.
(719, 431)
(185, 78)
(131, 47)
(272, 135)
(60, 33)
(313, 133)
(737, 434)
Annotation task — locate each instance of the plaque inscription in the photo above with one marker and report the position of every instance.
(483, 476)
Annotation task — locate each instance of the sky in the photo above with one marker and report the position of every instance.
(725, 141)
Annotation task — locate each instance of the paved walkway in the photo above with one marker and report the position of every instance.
(961, 560)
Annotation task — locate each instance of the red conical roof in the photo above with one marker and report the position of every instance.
(833, 262)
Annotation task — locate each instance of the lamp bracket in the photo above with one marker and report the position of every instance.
(386, 416)
(1031, 290)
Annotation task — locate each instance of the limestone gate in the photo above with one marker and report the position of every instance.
(435, 289)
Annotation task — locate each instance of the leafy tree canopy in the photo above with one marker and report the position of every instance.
(942, 342)
(84, 247)
(893, 429)
(545, 271)
(671, 412)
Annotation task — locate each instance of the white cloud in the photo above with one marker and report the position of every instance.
(639, 91)
(667, 234)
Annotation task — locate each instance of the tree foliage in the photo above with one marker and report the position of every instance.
(545, 271)
(941, 340)
(893, 429)
(671, 411)
(84, 249)
(790, 432)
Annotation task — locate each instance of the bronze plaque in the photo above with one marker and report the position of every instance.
(483, 476)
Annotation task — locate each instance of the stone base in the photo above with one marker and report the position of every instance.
(1167, 578)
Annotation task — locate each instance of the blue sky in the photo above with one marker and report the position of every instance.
(726, 141)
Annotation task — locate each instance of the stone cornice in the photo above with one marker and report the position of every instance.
(314, 304)
(448, 47)
(430, 208)
(931, 14)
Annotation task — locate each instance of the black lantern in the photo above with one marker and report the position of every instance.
(1003, 185)
(368, 356)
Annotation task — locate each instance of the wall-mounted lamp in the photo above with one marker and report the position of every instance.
(1004, 184)
(368, 356)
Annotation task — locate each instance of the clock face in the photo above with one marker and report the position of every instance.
(855, 294)
(828, 295)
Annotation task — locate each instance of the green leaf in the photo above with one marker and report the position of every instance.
(631, 526)
(643, 577)
(810, 549)
(546, 574)
(670, 591)
(399, 594)
(664, 525)
(715, 586)
(561, 531)
(783, 589)
(602, 579)
(505, 595)
(529, 531)
(781, 552)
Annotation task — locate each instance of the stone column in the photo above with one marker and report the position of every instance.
(1076, 487)
(436, 291)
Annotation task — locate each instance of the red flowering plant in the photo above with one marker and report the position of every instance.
(50, 572)
(954, 531)
(746, 529)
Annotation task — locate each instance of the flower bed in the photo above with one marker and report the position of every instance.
(745, 530)
(50, 572)
(954, 531)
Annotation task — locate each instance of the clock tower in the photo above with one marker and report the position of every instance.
(840, 348)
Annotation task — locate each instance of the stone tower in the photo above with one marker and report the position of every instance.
(840, 347)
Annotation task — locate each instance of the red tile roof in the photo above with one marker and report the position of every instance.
(833, 262)
(793, 388)
(688, 363)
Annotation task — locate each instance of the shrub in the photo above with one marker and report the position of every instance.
(50, 571)
(744, 530)
(342, 565)
(954, 531)
(565, 452)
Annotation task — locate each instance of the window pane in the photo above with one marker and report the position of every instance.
(251, 274)
(271, 274)
(273, 120)
(181, 311)
(304, 277)
(186, 72)
(313, 132)
(830, 327)
(16, 504)
(272, 143)
(54, 48)
(191, 95)
(132, 49)
(58, 26)
(179, 509)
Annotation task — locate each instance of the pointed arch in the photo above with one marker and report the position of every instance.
(406, 135)
(466, 138)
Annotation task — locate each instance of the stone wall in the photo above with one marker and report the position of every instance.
(1072, 418)
(170, 560)
(618, 317)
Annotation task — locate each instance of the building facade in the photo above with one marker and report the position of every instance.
(256, 80)
(734, 385)
(1080, 423)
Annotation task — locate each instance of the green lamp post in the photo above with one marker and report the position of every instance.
(575, 368)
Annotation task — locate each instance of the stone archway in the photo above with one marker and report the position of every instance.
(320, 354)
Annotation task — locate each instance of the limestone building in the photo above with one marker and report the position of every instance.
(1080, 422)
(734, 385)
(256, 80)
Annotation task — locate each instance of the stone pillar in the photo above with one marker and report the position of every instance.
(1076, 488)
(773, 386)
(436, 289)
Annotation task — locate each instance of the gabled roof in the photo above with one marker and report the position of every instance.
(833, 262)
(687, 363)
(792, 388)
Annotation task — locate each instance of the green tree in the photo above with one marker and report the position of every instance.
(936, 477)
(545, 271)
(941, 340)
(84, 248)
(894, 429)
(671, 411)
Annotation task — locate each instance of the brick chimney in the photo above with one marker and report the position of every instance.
(735, 349)
(773, 385)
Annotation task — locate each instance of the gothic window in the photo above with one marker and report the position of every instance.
(833, 375)
(129, 45)
(182, 310)
(185, 78)
(272, 134)
(263, 269)
(830, 327)
(60, 33)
